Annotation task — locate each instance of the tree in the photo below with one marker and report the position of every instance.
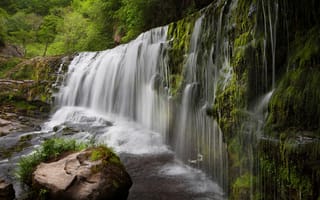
(48, 31)
(73, 33)
(101, 15)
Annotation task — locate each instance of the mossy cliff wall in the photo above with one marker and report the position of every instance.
(268, 108)
(27, 85)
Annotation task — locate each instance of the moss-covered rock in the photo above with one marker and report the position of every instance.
(289, 167)
(242, 188)
(271, 48)
(27, 84)
(179, 35)
(295, 103)
(42, 71)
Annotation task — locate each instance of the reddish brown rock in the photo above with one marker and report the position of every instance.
(76, 176)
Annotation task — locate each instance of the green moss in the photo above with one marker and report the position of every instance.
(295, 103)
(115, 184)
(229, 105)
(239, 45)
(284, 181)
(175, 82)
(305, 47)
(104, 153)
(289, 167)
(179, 34)
(241, 189)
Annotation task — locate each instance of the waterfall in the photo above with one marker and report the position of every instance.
(126, 80)
(131, 81)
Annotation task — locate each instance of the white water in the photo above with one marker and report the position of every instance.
(124, 136)
(121, 81)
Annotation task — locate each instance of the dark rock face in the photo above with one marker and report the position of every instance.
(77, 177)
(6, 191)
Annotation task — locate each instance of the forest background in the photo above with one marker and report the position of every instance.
(56, 27)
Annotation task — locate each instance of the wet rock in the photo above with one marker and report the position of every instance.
(69, 131)
(78, 176)
(6, 191)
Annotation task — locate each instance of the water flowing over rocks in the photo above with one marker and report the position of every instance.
(77, 177)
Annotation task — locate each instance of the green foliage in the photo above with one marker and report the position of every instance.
(7, 65)
(73, 33)
(48, 30)
(3, 28)
(35, 49)
(50, 149)
(64, 26)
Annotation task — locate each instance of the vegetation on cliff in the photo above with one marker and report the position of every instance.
(274, 48)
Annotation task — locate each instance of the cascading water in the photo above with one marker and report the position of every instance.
(129, 83)
(198, 139)
(125, 80)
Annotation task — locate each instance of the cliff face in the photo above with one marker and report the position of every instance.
(262, 88)
(26, 88)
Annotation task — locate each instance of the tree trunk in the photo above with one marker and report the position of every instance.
(45, 49)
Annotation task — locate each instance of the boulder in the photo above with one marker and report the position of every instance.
(6, 191)
(78, 176)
